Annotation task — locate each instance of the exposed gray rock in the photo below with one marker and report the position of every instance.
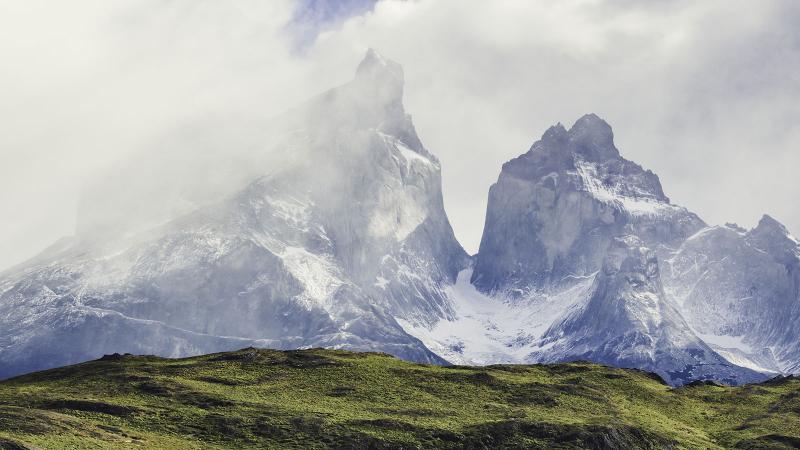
(554, 210)
(740, 290)
(629, 322)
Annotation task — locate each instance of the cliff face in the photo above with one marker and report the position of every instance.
(554, 210)
(741, 291)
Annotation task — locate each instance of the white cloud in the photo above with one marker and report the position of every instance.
(704, 93)
(701, 92)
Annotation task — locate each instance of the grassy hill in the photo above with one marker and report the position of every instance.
(325, 398)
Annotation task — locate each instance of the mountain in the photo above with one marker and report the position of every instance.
(628, 321)
(324, 249)
(740, 290)
(554, 210)
(569, 268)
(337, 399)
(325, 227)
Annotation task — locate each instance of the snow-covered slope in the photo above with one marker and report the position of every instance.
(740, 291)
(619, 316)
(325, 250)
(628, 321)
(494, 329)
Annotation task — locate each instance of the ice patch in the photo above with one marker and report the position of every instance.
(736, 351)
(724, 341)
(741, 360)
(316, 273)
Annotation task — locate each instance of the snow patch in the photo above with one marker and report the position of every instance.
(725, 341)
(316, 273)
(409, 156)
(646, 309)
(401, 203)
(741, 360)
(290, 208)
(644, 205)
(494, 330)
(381, 282)
(412, 157)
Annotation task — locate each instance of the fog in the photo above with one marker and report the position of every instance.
(703, 93)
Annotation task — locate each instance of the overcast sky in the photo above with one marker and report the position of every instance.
(704, 93)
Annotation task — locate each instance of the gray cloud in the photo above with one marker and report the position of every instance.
(703, 93)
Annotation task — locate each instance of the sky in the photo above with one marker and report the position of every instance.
(705, 94)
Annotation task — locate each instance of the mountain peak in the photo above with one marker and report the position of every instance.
(372, 58)
(377, 92)
(591, 120)
(593, 138)
(376, 69)
(768, 223)
(772, 237)
(555, 133)
(590, 138)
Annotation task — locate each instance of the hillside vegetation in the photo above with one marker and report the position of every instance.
(325, 398)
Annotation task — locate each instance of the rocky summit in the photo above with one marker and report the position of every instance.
(562, 202)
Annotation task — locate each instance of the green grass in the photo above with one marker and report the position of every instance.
(326, 398)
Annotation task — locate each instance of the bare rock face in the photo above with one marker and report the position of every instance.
(741, 291)
(324, 249)
(628, 321)
(554, 210)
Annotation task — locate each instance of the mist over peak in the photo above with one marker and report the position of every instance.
(206, 161)
(317, 228)
(375, 68)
